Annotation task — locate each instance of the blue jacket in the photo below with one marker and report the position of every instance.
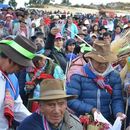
(90, 96)
(35, 122)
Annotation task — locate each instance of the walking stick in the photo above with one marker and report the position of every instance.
(126, 108)
(81, 39)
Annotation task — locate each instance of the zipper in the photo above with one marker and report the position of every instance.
(98, 99)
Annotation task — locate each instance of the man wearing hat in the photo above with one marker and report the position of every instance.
(14, 55)
(52, 113)
(97, 84)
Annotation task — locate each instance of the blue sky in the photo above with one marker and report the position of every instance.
(21, 2)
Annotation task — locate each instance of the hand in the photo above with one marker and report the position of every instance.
(55, 30)
(95, 109)
(29, 87)
(121, 115)
(128, 89)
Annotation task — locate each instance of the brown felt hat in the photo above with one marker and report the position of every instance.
(20, 50)
(101, 52)
(51, 89)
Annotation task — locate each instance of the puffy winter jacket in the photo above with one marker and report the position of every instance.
(90, 96)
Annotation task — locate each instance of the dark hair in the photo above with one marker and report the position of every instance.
(93, 28)
(38, 34)
(106, 34)
(3, 55)
(117, 27)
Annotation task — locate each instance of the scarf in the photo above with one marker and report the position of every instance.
(10, 94)
(98, 78)
(45, 122)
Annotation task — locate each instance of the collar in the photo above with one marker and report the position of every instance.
(57, 48)
(59, 127)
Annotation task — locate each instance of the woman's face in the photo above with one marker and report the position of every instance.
(95, 28)
(59, 43)
(118, 30)
(70, 20)
(40, 63)
(70, 48)
(41, 22)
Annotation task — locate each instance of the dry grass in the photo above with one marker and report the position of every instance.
(74, 9)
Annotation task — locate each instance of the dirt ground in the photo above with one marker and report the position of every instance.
(75, 10)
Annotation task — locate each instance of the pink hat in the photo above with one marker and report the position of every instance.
(9, 15)
(58, 35)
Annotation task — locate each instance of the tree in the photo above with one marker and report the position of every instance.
(2, 1)
(13, 3)
(33, 2)
(46, 1)
(67, 2)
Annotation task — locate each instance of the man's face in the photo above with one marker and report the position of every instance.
(107, 39)
(54, 110)
(11, 67)
(39, 40)
(99, 67)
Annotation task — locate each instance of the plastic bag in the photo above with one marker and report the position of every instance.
(116, 126)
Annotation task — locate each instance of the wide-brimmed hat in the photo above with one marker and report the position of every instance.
(20, 50)
(39, 57)
(101, 52)
(51, 89)
(9, 15)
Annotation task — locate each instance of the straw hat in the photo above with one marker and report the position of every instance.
(52, 89)
(101, 52)
(39, 57)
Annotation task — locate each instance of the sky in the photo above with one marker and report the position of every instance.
(21, 2)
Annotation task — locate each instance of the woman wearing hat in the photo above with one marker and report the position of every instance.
(97, 84)
(45, 68)
(52, 113)
(14, 56)
(9, 22)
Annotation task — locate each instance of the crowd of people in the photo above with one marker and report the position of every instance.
(54, 68)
